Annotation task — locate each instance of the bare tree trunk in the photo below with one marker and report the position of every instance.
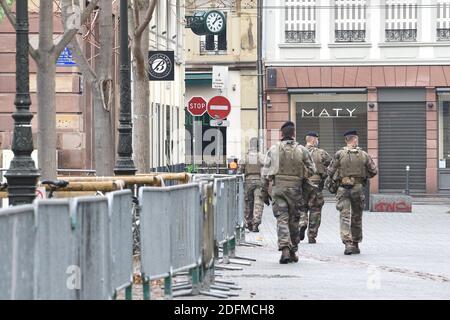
(140, 19)
(46, 71)
(103, 96)
(141, 92)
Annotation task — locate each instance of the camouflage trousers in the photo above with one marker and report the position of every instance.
(253, 202)
(312, 210)
(350, 203)
(287, 204)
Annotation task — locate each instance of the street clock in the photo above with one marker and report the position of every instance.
(207, 22)
(215, 22)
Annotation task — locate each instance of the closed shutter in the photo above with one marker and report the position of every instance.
(401, 142)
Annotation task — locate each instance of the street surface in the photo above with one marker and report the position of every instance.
(403, 256)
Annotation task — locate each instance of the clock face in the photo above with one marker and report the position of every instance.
(215, 22)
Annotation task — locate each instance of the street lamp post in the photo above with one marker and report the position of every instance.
(22, 174)
(124, 163)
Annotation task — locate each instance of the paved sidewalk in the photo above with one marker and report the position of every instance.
(403, 256)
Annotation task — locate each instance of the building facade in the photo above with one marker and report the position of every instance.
(381, 67)
(167, 134)
(237, 50)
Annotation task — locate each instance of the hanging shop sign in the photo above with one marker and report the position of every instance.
(161, 66)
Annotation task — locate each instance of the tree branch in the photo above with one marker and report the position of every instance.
(136, 12)
(83, 63)
(70, 33)
(12, 19)
(147, 18)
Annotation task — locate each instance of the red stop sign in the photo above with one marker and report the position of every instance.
(219, 107)
(197, 106)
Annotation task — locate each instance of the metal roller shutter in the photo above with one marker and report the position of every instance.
(401, 142)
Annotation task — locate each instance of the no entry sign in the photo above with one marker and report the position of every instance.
(197, 106)
(219, 107)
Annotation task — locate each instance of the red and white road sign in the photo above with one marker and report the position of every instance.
(197, 106)
(219, 107)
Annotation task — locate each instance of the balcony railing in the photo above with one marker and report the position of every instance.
(350, 35)
(216, 50)
(300, 36)
(401, 35)
(443, 34)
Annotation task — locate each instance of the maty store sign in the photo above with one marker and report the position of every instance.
(328, 112)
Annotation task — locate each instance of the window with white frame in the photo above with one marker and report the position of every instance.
(350, 20)
(300, 21)
(401, 20)
(443, 20)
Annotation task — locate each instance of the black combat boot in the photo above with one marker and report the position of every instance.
(285, 255)
(302, 232)
(356, 248)
(348, 248)
(249, 226)
(293, 256)
(311, 240)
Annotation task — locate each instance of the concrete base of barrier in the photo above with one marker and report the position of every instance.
(390, 203)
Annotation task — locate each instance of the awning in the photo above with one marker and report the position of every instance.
(328, 90)
(198, 79)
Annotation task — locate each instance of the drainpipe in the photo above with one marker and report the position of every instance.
(261, 126)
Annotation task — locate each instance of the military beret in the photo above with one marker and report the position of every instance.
(287, 124)
(312, 134)
(350, 133)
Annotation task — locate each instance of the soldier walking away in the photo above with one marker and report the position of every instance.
(251, 168)
(287, 164)
(312, 191)
(350, 168)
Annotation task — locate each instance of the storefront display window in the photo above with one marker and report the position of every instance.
(444, 131)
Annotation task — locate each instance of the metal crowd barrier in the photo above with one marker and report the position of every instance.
(66, 249)
(82, 248)
(173, 244)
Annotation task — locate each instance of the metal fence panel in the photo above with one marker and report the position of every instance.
(240, 201)
(155, 232)
(220, 209)
(17, 243)
(121, 220)
(91, 246)
(208, 223)
(185, 231)
(55, 271)
(232, 207)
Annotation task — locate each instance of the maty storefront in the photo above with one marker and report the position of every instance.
(330, 114)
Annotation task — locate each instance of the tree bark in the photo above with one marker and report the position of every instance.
(46, 71)
(141, 99)
(141, 17)
(104, 153)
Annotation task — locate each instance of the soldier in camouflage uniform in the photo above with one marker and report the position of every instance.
(353, 167)
(251, 167)
(312, 191)
(287, 164)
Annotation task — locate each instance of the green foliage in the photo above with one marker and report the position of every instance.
(192, 168)
(2, 13)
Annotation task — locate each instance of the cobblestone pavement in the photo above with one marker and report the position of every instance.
(403, 256)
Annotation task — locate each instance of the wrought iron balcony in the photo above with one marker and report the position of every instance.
(300, 36)
(443, 34)
(216, 50)
(401, 35)
(350, 35)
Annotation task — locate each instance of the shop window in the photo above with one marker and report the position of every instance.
(401, 20)
(350, 20)
(300, 21)
(443, 20)
(444, 132)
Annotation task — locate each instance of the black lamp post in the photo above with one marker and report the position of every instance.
(22, 174)
(124, 161)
